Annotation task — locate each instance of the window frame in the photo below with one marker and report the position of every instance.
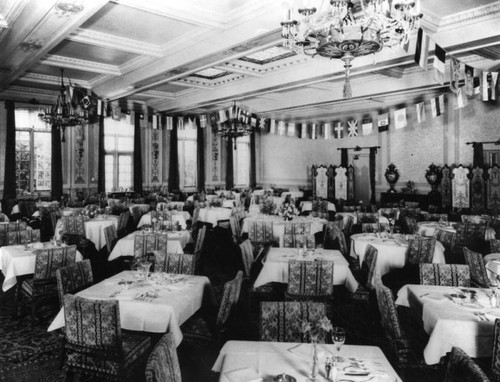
(116, 153)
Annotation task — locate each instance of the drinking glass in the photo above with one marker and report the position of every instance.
(338, 339)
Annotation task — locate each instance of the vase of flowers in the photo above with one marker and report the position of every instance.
(288, 211)
(268, 207)
(91, 211)
(315, 330)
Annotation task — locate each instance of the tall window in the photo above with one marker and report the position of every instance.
(33, 151)
(241, 162)
(119, 151)
(187, 147)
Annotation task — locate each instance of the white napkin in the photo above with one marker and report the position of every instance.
(243, 375)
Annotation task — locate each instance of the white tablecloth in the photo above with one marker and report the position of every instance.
(125, 246)
(317, 224)
(69, 211)
(242, 361)
(428, 228)
(94, 229)
(345, 215)
(308, 206)
(391, 251)
(276, 266)
(450, 324)
(179, 297)
(143, 207)
(16, 261)
(212, 214)
(180, 216)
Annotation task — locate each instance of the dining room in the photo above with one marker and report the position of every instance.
(249, 191)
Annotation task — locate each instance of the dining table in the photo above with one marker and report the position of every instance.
(179, 216)
(307, 205)
(213, 214)
(275, 267)
(175, 241)
(452, 316)
(317, 224)
(265, 361)
(391, 250)
(428, 228)
(159, 303)
(19, 260)
(346, 215)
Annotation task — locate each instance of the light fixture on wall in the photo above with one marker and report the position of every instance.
(63, 113)
(346, 29)
(235, 126)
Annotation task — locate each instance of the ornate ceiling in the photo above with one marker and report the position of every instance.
(197, 56)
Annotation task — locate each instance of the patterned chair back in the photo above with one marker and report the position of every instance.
(348, 222)
(478, 273)
(370, 265)
(146, 244)
(350, 208)
(281, 321)
(298, 228)
(420, 249)
(73, 278)
(436, 217)
(298, 241)
(111, 235)
(73, 225)
(310, 279)
(230, 297)
(332, 234)
(200, 239)
(247, 256)
(178, 263)
(447, 238)
(370, 227)
(390, 321)
(234, 222)
(495, 359)
(260, 231)
(462, 368)
(23, 237)
(469, 234)
(409, 224)
(495, 246)
(445, 274)
(48, 260)
(367, 217)
(163, 363)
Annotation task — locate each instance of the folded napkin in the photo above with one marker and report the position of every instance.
(243, 375)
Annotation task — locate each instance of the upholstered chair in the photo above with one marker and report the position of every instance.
(445, 274)
(420, 249)
(447, 238)
(334, 238)
(73, 278)
(73, 225)
(479, 276)
(495, 356)
(174, 262)
(367, 217)
(462, 368)
(95, 344)
(310, 280)
(247, 256)
(163, 363)
(111, 236)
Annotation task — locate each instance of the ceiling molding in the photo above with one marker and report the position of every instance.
(474, 15)
(53, 80)
(157, 94)
(79, 64)
(90, 37)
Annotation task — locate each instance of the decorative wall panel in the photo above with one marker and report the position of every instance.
(350, 183)
(155, 156)
(331, 182)
(460, 185)
(477, 190)
(446, 187)
(341, 183)
(320, 181)
(493, 189)
(79, 155)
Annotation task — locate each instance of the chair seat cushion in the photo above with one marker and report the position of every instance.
(133, 346)
(41, 289)
(198, 328)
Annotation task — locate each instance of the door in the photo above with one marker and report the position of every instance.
(361, 164)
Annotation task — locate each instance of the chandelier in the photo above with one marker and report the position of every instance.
(339, 29)
(63, 114)
(235, 126)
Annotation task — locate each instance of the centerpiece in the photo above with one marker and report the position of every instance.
(90, 211)
(288, 211)
(267, 206)
(316, 331)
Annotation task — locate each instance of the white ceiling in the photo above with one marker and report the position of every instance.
(197, 56)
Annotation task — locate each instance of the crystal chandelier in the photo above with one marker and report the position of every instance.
(62, 113)
(340, 29)
(235, 126)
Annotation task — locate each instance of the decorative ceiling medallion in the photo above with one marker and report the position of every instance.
(69, 8)
(30, 45)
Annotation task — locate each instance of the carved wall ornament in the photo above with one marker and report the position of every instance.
(392, 176)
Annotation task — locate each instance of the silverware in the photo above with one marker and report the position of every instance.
(423, 295)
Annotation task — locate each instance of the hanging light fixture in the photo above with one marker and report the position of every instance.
(340, 29)
(63, 113)
(235, 126)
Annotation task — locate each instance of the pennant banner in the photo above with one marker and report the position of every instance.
(420, 107)
(422, 49)
(353, 128)
(367, 126)
(438, 64)
(400, 118)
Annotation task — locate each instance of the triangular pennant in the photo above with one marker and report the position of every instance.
(485, 85)
(272, 129)
(352, 128)
(281, 128)
(327, 129)
(493, 85)
(99, 107)
(222, 115)
(180, 123)
(314, 128)
(469, 80)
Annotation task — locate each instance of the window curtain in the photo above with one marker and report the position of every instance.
(200, 157)
(137, 154)
(478, 156)
(253, 166)
(57, 178)
(9, 188)
(173, 170)
(101, 180)
(372, 164)
(229, 165)
(344, 159)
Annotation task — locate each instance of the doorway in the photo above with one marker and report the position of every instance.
(361, 164)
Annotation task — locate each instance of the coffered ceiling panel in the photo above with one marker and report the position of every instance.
(74, 74)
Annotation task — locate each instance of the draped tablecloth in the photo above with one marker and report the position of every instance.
(19, 260)
(242, 361)
(391, 250)
(179, 216)
(346, 215)
(125, 246)
(276, 266)
(449, 324)
(317, 224)
(160, 304)
(70, 211)
(94, 229)
(308, 206)
(428, 228)
(213, 214)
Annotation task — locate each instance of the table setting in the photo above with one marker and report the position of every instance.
(151, 301)
(454, 316)
(428, 228)
(275, 267)
(178, 216)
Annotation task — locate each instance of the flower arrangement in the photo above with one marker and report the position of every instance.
(91, 210)
(215, 202)
(288, 211)
(316, 330)
(268, 207)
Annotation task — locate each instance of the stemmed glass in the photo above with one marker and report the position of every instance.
(338, 339)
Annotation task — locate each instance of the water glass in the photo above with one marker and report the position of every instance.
(338, 339)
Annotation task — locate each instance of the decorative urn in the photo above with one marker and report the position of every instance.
(433, 176)
(392, 176)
